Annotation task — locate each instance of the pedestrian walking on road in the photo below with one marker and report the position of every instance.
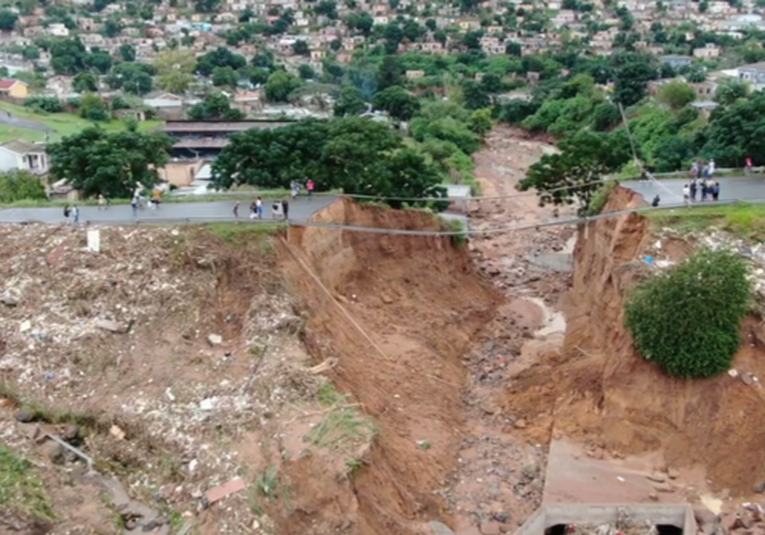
(694, 189)
(134, 205)
(286, 209)
(236, 209)
(748, 167)
(309, 186)
(75, 215)
(687, 195)
(101, 201)
(67, 213)
(259, 207)
(716, 191)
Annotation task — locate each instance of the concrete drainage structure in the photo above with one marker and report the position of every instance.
(667, 518)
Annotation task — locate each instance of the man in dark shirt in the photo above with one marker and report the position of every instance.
(285, 208)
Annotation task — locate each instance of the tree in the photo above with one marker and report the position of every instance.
(93, 108)
(306, 72)
(271, 158)
(220, 57)
(279, 86)
(206, 6)
(572, 175)
(354, 154)
(715, 286)
(480, 122)
(328, 8)
(19, 185)
(736, 132)
(676, 94)
(349, 102)
(631, 81)
(94, 161)
(729, 91)
(474, 95)
(300, 47)
(390, 73)
(174, 70)
(224, 76)
(68, 57)
(398, 102)
(85, 82)
(132, 78)
(127, 52)
(393, 35)
(216, 107)
(8, 20)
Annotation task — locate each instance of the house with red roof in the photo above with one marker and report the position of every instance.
(14, 88)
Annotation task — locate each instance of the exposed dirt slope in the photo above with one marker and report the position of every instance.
(600, 390)
(419, 301)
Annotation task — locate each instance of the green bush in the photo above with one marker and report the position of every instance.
(687, 319)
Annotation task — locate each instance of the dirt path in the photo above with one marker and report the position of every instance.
(500, 477)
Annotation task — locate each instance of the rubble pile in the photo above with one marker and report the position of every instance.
(61, 302)
(745, 519)
(129, 334)
(716, 239)
(624, 525)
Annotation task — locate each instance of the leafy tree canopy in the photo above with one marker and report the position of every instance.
(356, 155)
(570, 176)
(687, 319)
(94, 161)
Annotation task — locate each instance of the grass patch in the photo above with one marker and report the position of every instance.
(454, 225)
(343, 423)
(744, 220)
(268, 486)
(600, 198)
(21, 490)
(241, 233)
(61, 124)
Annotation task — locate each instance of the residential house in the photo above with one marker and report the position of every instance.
(753, 74)
(710, 51)
(25, 156)
(676, 62)
(57, 29)
(14, 88)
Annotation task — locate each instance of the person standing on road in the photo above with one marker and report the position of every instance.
(259, 207)
(309, 186)
(286, 209)
(67, 213)
(711, 169)
(75, 215)
(716, 191)
(748, 167)
(101, 201)
(253, 209)
(236, 209)
(687, 195)
(134, 205)
(694, 189)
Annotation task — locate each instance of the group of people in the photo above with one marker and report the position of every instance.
(702, 182)
(279, 209)
(706, 187)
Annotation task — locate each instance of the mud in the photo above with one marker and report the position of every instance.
(609, 397)
(399, 314)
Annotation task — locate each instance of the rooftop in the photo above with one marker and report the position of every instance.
(203, 143)
(19, 146)
(219, 126)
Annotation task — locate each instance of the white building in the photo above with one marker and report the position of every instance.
(23, 155)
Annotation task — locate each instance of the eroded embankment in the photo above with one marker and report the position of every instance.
(398, 312)
(599, 389)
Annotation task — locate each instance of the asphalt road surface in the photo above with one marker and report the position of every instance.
(202, 212)
(731, 188)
